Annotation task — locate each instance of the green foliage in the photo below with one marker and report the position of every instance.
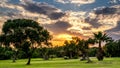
(112, 49)
(5, 53)
(100, 36)
(93, 51)
(70, 49)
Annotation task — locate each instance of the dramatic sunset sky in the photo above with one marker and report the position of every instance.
(67, 18)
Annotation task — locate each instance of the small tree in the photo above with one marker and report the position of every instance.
(70, 48)
(83, 46)
(25, 34)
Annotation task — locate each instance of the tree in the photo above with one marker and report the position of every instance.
(92, 51)
(83, 46)
(99, 38)
(87, 42)
(5, 40)
(112, 49)
(26, 35)
(70, 49)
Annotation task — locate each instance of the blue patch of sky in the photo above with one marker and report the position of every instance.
(5, 9)
(2, 9)
(14, 1)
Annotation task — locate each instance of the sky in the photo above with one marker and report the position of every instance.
(66, 18)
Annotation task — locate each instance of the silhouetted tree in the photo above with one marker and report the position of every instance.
(112, 49)
(25, 34)
(99, 38)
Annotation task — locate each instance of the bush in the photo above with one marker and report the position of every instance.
(5, 53)
(65, 57)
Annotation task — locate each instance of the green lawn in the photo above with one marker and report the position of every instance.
(61, 63)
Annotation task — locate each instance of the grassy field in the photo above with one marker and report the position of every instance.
(61, 63)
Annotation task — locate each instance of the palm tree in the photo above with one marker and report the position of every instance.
(25, 35)
(99, 38)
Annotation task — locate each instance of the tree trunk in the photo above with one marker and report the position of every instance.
(14, 58)
(46, 57)
(88, 59)
(100, 53)
(83, 56)
(70, 55)
(29, 59)
(99, 44)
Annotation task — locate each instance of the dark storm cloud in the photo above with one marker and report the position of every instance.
(43, 8)
(93, 22)
(106, 10)
(56, 15)
(58, 27)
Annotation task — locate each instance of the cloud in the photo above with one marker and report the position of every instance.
(79, 26)
(115, 29)
(93, 22)
(107, 10)
(58, 27)
(106, 17)
(76, 1)
(31, 7)
(56, 15)
(86, 28)
(42, 12)
(3, 1)
(42, 8)
(115, 32)
(114, 1)
(62, 27)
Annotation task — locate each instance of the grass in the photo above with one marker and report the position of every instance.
(61, 63)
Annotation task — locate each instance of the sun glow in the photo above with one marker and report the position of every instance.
(64, 37)
(59, 39)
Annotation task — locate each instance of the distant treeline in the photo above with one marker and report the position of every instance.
(111, 49)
